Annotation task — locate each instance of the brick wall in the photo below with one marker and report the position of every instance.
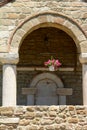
(43, 43)
(70, 80)
(43, 118)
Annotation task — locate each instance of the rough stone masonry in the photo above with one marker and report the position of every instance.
(43, 118)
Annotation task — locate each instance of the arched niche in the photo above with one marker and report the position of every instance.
(52, 79)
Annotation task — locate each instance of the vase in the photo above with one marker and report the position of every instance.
(51, 68)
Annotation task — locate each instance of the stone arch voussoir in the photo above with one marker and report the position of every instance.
(47, 19)
(47, 76)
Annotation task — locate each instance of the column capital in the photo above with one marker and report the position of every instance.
(9, 58)
(83, 58)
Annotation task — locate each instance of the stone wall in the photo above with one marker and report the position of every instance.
(15, 12)
(43, 118)
(0, 87)
(70, 80)
(10, 19)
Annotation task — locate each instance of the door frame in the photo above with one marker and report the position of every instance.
(55, 78)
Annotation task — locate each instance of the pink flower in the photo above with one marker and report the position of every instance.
(57, 63)
(48, 63)
(53, 62)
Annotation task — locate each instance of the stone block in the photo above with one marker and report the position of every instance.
(71, 108)
(73, 120)
(83, 46)
(29, 115)
(6, 111)
(31, 109)
(7, 120)
(24, 122)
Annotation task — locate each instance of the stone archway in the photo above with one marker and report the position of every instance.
(46, 19)
(46, 93)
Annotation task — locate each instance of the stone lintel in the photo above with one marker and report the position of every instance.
(29, 91)
(83, 58)
(64, 91)
(9, 58)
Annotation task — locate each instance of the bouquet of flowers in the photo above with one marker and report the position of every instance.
(53, 64)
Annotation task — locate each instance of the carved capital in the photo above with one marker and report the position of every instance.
(9, 58)
(83, 58)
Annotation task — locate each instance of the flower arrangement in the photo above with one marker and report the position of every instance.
(52, 64)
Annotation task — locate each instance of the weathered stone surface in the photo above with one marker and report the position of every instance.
(52, 114)
(30, 115)
(9, 58)
(6, 111)
(82, 112)
(85, 127)
(53, 108)
(47, 121)
(9, 120)
(14, 13)
(2, 127)
(19, 111)
(34, 122)
(60, 120)
(33, 127)
(40, 108)
(24, 122)
(39, 114)
(50, 127)
(71, 108)
(73, 120)
(30, 109)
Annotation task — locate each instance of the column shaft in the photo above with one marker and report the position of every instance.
(9, 85)
(84, 66)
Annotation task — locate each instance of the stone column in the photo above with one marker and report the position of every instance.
(83, 60)
(9, 85)
(84, 68)
(9, 61)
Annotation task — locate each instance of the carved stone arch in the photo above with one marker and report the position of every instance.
(48, 19)
(45, 19)
(49, 76)
(54, 78)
